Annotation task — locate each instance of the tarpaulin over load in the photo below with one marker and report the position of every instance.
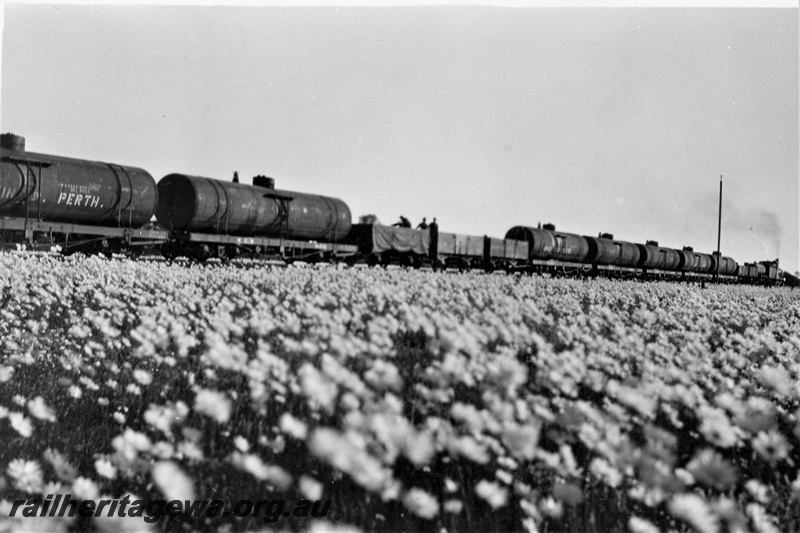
(400, 240)
(374, 238)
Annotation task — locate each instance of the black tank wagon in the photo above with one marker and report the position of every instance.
(78, 204)
(192, 203)
(547, 243)
(604, 250)
(62, 189)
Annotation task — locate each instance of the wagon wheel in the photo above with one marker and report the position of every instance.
(232, 251)
(199, 254)
(132, 252)
(170, 251)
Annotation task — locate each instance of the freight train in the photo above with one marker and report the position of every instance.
(93, 207)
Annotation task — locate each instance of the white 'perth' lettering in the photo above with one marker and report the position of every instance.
(80, 200)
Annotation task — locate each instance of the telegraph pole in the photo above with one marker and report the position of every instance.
(719, 228)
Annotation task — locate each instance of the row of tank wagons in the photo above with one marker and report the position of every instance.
(548, 244)
(61, 189)
(524, 243)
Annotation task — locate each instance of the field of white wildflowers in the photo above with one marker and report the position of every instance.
(412, 400)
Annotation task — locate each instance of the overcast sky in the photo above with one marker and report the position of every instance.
(618, 120)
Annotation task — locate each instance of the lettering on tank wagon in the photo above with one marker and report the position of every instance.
(81, 195)
(79, 200)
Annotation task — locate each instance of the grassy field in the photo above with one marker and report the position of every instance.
(411, 400)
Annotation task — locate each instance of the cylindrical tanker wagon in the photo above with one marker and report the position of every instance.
(198, 204)
(653, 256)
(727, 266)
(60, 189)
(547, 243)
(604, 250)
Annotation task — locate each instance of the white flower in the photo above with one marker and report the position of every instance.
(27, 475)
(453, 506)
(605, 472)
(640, 525)
(717, 428)
(492, 492)
(213, 404)
(776, 379)
(190, 450)
(341, 453)
(241, 444)
(384, 375)
(162, 417)
(293, 426)
(505, 477)
(105, 468)
(130, 443)
(758, 491)
(85, 489)
(163, 450)
(311, 488)
(419, 448)
(633, 398)
(421, 503)
(469, 448)
(173, 483)
(53, 487)
(521, 440)
(143, 376)
(6, 372)
(319, 390)
(551, 507)
(61, 465)
(771, 445)
(21, 424)
(694, 510)
(40, 410)
(763, 522)
(263, 472)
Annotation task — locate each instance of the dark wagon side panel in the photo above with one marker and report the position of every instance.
(653, 256)
(546, 244)
(192, 203)
(61, 189)
(603, 251)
